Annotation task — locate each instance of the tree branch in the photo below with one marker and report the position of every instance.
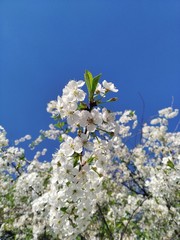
(105, 222)
(126, 226)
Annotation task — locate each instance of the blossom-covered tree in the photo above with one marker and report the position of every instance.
(95, 186)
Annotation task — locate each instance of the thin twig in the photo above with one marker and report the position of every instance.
(138, 184)
(105, 222)
(126, 226)
(177, 126)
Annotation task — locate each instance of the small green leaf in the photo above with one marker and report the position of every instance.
(131, 114)
(78, 238)
(82, 106)
(56, 118)
(24, 199)
(91, 83)
(64, 209)
(90, 160)
(59, 124)
(46, 181)
(76, 159)
(58, 164)
(170, 164)
(88, 80)
(95, 83)
(60, 138)
(68, 184)
(75, 162)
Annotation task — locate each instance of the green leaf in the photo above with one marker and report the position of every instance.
(24, 199)
(88, 80)
(56, 118)
(78, 238)
(60, 138)
(59, 124)
(94, 83)
(58, 164)
(90, 160)
(64, 209)
(170, 164)
(82, 106)
(91, 83)
(131, 114)
(68, 184)
(76, 159)
(46, 181)
(75, 162)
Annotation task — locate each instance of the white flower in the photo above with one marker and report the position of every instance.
(73, 119)
(109, 86)
(69, 109)
(107, 116)
(60, 197)
(90, 119)
(23, 139)
(86, 143)
(72, 93)
(60, 106)
(3, 140)
(127, 116)
(100, 90)
(173, 114)
(165, 160)
(51, 107)
(71, 145)
(168, 112)
(155, 121)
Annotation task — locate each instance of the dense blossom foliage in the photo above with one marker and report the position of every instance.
(96, 186)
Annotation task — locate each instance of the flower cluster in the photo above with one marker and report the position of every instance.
(95, 186)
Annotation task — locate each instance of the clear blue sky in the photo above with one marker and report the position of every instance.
(45, 43)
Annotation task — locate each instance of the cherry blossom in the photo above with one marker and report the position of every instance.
(95, 186)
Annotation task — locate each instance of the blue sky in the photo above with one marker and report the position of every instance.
(43, 44)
